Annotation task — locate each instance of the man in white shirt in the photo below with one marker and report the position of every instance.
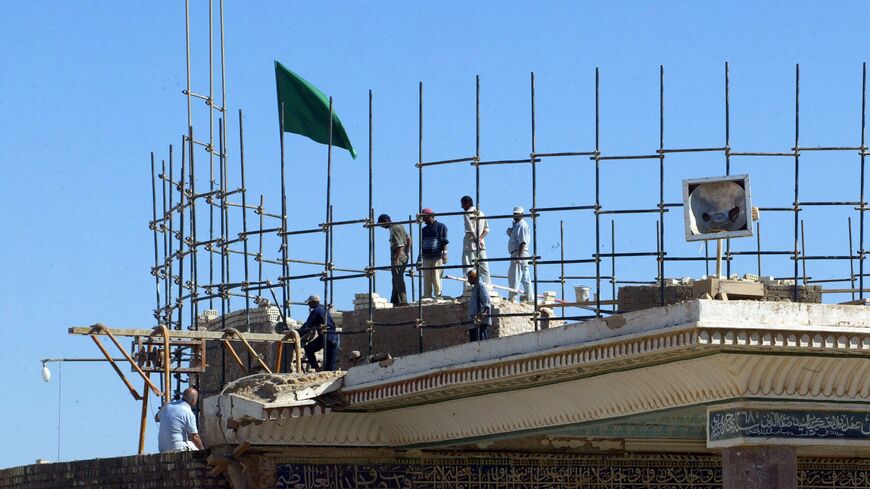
(473, 246)
(178, 431)
(518, 247)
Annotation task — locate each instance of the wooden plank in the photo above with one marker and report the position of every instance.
(207, 335)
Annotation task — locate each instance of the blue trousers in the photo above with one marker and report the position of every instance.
(519, 278)
(330, 355)
(478, 333)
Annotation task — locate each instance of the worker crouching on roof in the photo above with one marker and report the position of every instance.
(317, 317)
(178, 431)
(479, 308)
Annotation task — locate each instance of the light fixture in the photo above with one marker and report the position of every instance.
(46, 373)
(717, 208)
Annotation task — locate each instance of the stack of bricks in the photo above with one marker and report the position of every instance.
(466, 294)
(260, 320)
(548, 297)
(361, 302)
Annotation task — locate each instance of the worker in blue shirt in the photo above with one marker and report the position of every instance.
(317, 316)
(433, 252)
(479, 308)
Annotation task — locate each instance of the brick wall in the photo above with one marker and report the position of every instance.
(637, 297)
(164, 470)
(405, 339)
(396, 340)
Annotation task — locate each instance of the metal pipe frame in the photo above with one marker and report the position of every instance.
(171, 269)
(99, 328)
(797, 254)
(230, 332)
(167, 361)
(291, 337)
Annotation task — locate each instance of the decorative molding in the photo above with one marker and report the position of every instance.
(682, 358)
(480, 470)
(752, 424)
(696, 381)
(585, 360)
(349, 429)
(495, 471)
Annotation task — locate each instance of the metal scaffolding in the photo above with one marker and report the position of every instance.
(177, 247)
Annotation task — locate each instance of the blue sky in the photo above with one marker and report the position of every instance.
(89, 89)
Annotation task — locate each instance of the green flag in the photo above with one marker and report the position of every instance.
(306, 110)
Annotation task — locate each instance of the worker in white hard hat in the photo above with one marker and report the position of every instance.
(317, 317)
(519, 238)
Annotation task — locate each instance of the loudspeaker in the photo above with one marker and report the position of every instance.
(717, 207)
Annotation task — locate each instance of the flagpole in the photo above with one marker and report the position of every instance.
(371, 272)
(285, 271)
(327, 264)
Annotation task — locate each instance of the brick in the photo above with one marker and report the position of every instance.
(161, 471)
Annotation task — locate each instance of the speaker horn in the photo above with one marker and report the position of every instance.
(717, 208)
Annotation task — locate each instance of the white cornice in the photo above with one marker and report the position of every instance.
(537, 381)
(595, 358)
(698, 381)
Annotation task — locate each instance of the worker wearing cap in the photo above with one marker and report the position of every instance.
(433, 252)
(317, 317)
(400, 245)
(473, 246)
(518, 246)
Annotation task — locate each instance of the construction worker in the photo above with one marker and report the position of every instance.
(178, 431)
(479, 308)
(518, 247)
(433, 253)
(400, 246)
(317, 317)
(473, 246)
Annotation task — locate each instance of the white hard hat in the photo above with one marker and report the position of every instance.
(518, 210)
(313, 298)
